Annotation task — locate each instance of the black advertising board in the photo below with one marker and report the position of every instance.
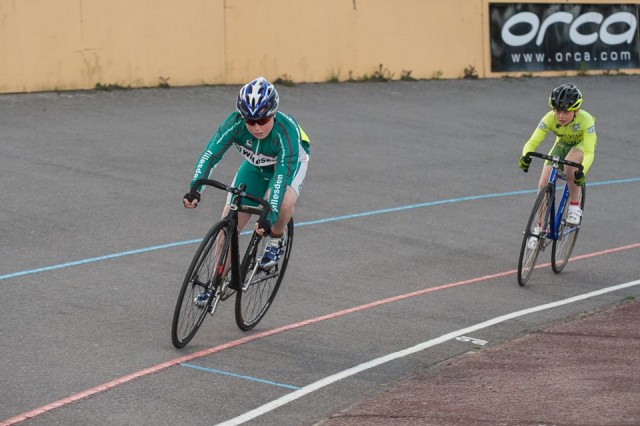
(530, 37)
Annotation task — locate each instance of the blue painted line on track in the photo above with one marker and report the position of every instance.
(239, 376)
(97, 259)
(416, 206)
(311, 222)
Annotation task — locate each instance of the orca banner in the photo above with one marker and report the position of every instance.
(548, 37)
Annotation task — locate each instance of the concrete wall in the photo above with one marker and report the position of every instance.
(76, 44)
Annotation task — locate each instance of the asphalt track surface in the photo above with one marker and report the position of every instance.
(408, 232)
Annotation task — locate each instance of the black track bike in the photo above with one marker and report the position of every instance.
(217, 272)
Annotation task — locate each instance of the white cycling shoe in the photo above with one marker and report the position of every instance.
(532, 242)
(574, 216)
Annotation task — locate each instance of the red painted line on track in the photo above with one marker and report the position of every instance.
(159, 367)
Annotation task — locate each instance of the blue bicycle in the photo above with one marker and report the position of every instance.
(546, 226)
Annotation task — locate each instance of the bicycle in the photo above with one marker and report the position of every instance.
(216, 269)
(546, 226)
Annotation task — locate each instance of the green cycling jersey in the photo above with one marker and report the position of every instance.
(278, 154)
(579, 133)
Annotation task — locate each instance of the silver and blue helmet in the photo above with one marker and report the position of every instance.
(257, 99)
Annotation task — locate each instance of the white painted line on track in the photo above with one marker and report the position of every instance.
(216, 349)
(270, 406)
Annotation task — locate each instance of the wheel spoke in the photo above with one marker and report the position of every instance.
(534, 239)
(563, 246)
(202, 275)
(257, 295)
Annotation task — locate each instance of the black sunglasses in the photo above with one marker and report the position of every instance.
(260, 122)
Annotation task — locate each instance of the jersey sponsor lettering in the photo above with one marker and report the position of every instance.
(256, 159)
(570, 137)
(203, 160)
(276, 193)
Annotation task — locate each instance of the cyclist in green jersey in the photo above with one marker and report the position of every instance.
(276, 155)
(576, 141)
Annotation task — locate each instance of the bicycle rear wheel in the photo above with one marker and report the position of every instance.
(204, 273)
(259, 286)
(567, 235)
(534, 235)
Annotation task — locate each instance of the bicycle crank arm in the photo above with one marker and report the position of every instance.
(214, 302)
(260, 278)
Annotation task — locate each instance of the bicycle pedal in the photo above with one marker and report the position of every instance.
(224, 294)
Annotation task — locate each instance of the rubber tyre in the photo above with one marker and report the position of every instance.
(204, 272)
(567, 236)
(253, 303)
(529, 256)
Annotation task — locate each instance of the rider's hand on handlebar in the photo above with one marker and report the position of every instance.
(263, 227)
(579, 178)
(191, 199)
(524, 163)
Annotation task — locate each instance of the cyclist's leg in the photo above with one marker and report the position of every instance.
(290, 198)
(256, 184)
(542, 184)
(572, 153)
(544, 176)
(243, 218)
(576, 155)
(286, 212)
(557, 150)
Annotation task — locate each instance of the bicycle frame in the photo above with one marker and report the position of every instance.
(232, 217)
(219, 266)
(545, 225)
(555, 218)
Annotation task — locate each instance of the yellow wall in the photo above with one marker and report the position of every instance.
(76, 44)
(69, 44)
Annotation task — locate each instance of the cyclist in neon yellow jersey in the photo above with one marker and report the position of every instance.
(576, 141)
(276, 155)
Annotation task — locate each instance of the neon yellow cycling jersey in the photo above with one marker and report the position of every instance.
(580, 133)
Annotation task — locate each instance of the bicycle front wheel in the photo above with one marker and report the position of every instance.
(567, 235)
(260, 286)
(534, 235)
(201, 282)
